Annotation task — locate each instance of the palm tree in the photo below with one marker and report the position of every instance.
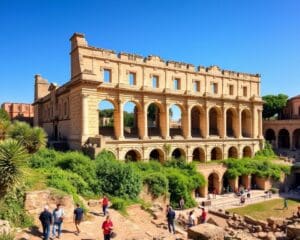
(12, 157)
(31, 138)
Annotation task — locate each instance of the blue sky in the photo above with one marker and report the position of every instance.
(258, 36)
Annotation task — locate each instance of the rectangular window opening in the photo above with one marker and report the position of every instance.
(155, 83)
(132, 79)
(245, 91)
(107, 75)
(196, 86)
(214, 88)
(231, 90)
(176, 83)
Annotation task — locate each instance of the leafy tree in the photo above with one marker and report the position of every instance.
(4, 115)
(274, 104)
(128, 119)
(32, 138)
(12, 157)
(152, 111)
(106, 113)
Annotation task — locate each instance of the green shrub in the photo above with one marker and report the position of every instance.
(267, 151)
(107, 155)
(157, 183)
(67, 181)
(7, 236)
(44, 158)
(12, 209)
(117, 179)
(80, 164)
(118, 204)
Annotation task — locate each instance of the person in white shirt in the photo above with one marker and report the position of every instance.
(191, 219)
(58, 218)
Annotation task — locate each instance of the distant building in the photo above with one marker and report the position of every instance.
(19, 111)
(284, 133)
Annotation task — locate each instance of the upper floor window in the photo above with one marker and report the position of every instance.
(214, 88)
(245, 91)
(196, 86)
(107, 75)
(155, 83)
(65, 108)
(231, 89)
(132, 79)
(299, 111)
(176, 83)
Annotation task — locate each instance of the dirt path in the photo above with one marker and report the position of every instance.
(137, 225)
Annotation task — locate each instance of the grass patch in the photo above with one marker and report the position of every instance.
(270, 208)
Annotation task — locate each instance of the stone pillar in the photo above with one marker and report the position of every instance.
(119, 122)
(255, 123)
(145, 125)
(224, 131)
(234, 184)
(166, 127)
(260, 129)
(276, 140)
(239, 133)
(85, 117)
(207, 122)
(186, 123)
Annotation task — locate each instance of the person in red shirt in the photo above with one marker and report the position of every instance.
(203, 215)
(107, 227)
(104, 205)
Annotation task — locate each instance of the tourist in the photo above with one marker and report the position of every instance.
(58, 218)
(171, 219)
(46, 221)
(298, 212)
(285, 203)
(181, 203)
(203, 216)
(104, 205)
(214, 193)
(270, 194)
(191, 219)
(107, 227)
(242, 200)
(78, 216)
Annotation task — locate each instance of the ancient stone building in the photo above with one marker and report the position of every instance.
(284, 133)
(19, 111)
(221, 111)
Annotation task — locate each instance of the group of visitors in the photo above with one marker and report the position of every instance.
(56, 218)
(194, 220)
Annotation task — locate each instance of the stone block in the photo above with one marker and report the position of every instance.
(206, 231)
(293, 231)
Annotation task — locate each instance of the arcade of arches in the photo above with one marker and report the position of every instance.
(284, 136)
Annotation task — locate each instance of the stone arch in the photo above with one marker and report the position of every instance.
(213, 181)
(133, 119)
(232, 152)
(106, 115)
(154, 119)
(133, 155)
(176, 114)
(246, 123)
(216, 154)
(197, 121)
(284, 138)
(215, 121)
(296, 138)
(231, 123)
(199, 154)
(247, 152)
(157, 154)
(270, 135)
(178, 153)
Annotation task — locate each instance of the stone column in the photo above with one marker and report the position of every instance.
(186, 123)
(207, 122)
(119, 122)
(145, 125)
(224, 133)
(85, 117)
(239, 133)
(166, 127)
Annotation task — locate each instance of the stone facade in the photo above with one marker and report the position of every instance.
(224, 107)
(19, 111)
(284, 133)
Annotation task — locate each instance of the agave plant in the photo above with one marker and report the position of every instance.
(4, 125)
(31, 138)
(12, 157)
